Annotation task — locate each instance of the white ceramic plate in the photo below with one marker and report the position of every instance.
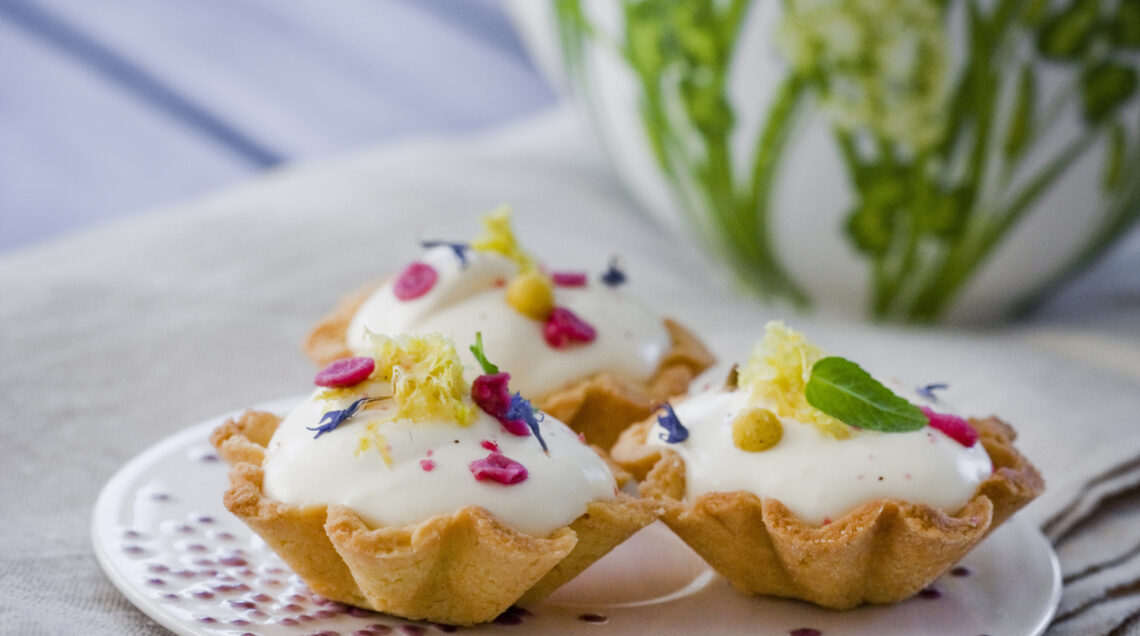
(161, 534)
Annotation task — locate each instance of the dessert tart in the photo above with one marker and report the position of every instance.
(398, 487)
(804, 477)
(581, 347)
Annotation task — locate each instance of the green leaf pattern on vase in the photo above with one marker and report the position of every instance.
(943, 115)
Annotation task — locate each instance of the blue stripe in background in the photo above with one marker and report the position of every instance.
(479, 19)
(134, 79)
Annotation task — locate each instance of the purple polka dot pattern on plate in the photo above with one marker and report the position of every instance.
(208, 568)
(197, 564)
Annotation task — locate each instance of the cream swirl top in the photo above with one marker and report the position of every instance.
(816, 476)
(630, 339)
(428, 472)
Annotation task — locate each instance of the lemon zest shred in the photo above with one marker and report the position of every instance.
(499, 237)
(426, 377)
(373, 438)
(778, 371)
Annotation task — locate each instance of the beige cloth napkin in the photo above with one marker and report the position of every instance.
(118, 338)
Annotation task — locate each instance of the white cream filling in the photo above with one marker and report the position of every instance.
(630, 342)
(328, 470)
(817, 477)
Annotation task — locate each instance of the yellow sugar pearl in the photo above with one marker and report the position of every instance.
(756, 430)
(531, 294)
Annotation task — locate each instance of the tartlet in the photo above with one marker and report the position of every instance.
(821, 543)
(583, 349)
(418, 501)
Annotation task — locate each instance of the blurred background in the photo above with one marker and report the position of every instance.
(113, 107)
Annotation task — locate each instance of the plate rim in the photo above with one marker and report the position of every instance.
(115, 487)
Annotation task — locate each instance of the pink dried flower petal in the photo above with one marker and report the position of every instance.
(345, 372)
(563, 328)
(427, 464)
(514, 427)
(570, 279)
(499, 468)
(490, 392)
(416, 280)
(489, 444)
(956, 428)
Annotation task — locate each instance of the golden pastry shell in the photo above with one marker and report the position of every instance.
(884, 551)
(462, 568)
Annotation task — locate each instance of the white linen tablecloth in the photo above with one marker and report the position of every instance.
(118, 338)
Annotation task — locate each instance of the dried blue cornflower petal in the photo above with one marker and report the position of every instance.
(674, 431)
(520, 408)
(928, 391)
(332, 419)
(613, 276)
(460, 249)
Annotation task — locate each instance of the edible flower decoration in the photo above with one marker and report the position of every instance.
(613, 276)
(564, 328)
(956, 428)
(834, 394)
(499, 468)
(424, 378)
(332, 419)
(421, 374)
(531, 290)
(928, 390)
(491, 392)
(675, 432)
(570, 279)
(460, 249)
(416, 280)
(339, 378)
(345, 372)
(520, 409)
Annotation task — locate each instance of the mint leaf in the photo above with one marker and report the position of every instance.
(843, 390)
(477, 351)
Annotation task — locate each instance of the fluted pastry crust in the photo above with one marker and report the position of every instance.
(599, 406)
(884, 551)
(461, 568)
